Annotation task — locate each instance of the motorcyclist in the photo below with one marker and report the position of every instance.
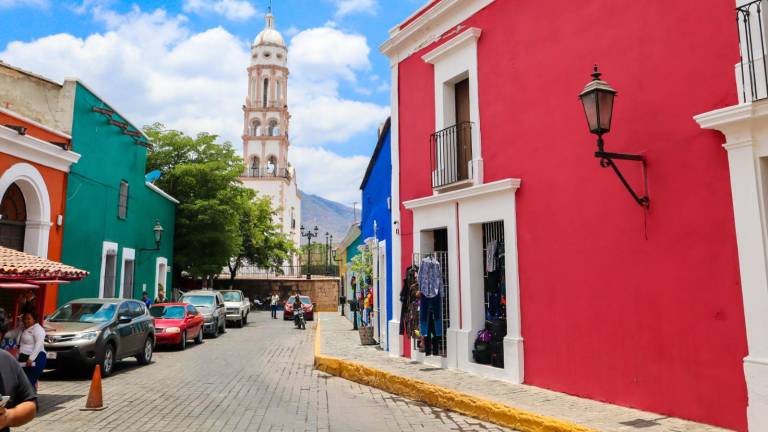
(297, 309)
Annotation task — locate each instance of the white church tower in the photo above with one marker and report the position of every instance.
(265, 131)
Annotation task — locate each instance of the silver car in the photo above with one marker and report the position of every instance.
(210, 304)
(99, 331)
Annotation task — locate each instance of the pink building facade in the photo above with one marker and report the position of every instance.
(591, 294)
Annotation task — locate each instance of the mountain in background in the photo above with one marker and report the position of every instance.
(327, 215)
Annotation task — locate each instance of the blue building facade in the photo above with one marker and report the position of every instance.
(376, 231)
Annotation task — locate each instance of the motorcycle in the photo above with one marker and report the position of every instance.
(298, 319)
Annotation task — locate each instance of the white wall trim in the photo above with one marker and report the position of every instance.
(161, 192)
(497, 186)
(36, 150)
(746, 141)
(160, 278)
(128, 255)
(106, 249)
(394, 129)
(429, 27)
(37, 201)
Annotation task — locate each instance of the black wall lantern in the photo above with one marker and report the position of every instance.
(157, 232)
(597, 98)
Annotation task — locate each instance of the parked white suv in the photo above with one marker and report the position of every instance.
(238, 306)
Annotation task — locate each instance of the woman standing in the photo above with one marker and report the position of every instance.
(31, 350)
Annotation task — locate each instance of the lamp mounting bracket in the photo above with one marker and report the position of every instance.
(606, 161)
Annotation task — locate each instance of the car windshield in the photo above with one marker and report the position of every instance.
(232, 296)
(304, 300)
(84, 312)
(199, 300)
(168, 312)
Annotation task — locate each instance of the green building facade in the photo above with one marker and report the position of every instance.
(112, 213)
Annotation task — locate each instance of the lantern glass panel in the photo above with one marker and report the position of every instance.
(589, 100)
(605, 101)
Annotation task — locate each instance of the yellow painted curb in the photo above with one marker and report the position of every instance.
(440, 397)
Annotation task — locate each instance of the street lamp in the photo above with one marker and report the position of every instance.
(157, 232)
(325, 255)
(309, 234)
(597, 99)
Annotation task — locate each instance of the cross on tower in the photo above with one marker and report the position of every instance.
(269, 7)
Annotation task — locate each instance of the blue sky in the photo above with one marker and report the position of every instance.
(182, 63)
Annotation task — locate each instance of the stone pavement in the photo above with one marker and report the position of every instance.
(259, 378)
(339, 342)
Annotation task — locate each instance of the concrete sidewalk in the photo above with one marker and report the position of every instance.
(525, 408)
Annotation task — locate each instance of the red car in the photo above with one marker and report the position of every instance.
(176, 323)
(306, 303)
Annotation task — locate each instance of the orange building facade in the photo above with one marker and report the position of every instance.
(34, 164)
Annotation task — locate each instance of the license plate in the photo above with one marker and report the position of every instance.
(51, 355)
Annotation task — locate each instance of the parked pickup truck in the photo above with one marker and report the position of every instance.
(238, 306)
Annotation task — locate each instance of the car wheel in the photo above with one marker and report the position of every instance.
(240, 323)
(199, 338)
(183, 342)
(146, 354)
(216, 328)
(108, 361)
(245, 319)
(223, 326)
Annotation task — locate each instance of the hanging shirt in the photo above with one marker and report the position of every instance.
(430, 277)
(490, 256)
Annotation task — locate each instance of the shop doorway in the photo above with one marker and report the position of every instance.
(430, 326)
(489, 344)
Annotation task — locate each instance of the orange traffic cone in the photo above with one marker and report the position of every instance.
(95, 401)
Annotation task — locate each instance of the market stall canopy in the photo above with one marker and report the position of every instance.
(22, 266)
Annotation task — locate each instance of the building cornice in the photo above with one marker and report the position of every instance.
(34, 123)
(732, 115)
(429, 27)
(471, 34)
(35, 150)
(506, 185)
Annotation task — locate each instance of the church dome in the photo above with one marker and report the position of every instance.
(269, 36)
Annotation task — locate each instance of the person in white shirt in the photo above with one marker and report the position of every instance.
(273, 301)
(31, 349)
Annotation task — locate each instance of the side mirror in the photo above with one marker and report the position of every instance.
(124, 319)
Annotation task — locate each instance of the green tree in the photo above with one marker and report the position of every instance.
(217, 219)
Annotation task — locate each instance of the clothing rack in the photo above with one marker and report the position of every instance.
(442, 258)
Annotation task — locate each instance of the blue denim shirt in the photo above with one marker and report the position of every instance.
(430, 277)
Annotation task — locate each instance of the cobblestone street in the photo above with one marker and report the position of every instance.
(259, 378)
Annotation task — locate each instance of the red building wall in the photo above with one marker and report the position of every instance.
(642, 312)
(56, 182)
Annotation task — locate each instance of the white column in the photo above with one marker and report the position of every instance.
(745, 177)
(395, 338)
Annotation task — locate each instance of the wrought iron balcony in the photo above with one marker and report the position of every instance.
(451, 155)
(268, 172)
(752, 70)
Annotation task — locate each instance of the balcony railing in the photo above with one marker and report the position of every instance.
(752, 70)
(451, 155)
(268, 172)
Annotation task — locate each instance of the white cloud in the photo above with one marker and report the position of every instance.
(235, 10)
(321, 59)
(347, 7)
(341, 183)
(42, 4)
(152, 67)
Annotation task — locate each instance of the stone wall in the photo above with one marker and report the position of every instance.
(324, 292)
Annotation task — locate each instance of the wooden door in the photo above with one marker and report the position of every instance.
(463, 130)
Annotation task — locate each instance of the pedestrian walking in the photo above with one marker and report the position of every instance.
(145, 299)
(160, 296)
(31, 349)
(273, 301)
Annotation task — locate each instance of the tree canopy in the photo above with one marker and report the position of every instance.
(219, 222)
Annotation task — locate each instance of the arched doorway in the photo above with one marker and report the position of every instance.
(22, 183)
(13, 218)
